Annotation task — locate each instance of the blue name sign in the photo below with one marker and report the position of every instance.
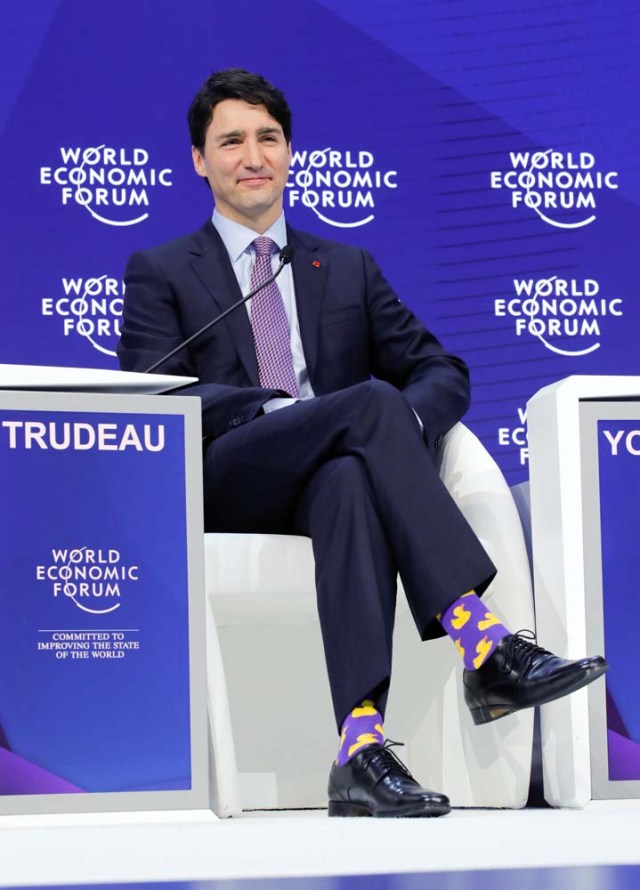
(97, 689)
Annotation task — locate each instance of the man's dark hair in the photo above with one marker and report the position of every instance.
(235, 83)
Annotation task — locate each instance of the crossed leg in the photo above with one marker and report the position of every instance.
(351, 469)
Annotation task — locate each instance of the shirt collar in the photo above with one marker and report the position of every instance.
(237, 238)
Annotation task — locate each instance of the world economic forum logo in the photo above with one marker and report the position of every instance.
(339, 187)
(566, 316)
(114, 185)
(560, 187)
(90, 308)
(92, 579)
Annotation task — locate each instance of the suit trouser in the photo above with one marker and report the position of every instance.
(352, 471)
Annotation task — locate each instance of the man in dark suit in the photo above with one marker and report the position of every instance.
(324, 403)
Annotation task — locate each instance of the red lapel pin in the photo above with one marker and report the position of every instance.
(316, 264)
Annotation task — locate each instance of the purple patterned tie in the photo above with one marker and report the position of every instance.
(271, 334)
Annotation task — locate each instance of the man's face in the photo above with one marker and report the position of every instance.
(246, 160)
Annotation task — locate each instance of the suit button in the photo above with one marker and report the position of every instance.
(236, 421)
(436, 442)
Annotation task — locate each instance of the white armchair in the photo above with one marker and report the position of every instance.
(269, 703)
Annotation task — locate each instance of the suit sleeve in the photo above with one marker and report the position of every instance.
(406, 354)
(152, 326)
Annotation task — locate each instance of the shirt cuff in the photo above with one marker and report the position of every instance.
(276, 404)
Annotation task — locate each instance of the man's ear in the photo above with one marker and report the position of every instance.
(198, 161)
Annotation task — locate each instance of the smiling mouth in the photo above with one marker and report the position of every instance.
(254, 180)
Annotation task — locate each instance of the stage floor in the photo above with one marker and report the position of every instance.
(592, 849)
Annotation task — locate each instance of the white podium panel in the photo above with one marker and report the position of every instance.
(583, 478)
(41, 378)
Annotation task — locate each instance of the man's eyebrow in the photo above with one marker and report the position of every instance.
(235, 134)
(229, 135)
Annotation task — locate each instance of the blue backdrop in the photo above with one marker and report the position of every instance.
(486, 155)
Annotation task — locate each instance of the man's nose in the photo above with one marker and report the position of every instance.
(252, 154)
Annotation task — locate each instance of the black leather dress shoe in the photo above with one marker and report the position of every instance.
(376, 783)
(518, 674)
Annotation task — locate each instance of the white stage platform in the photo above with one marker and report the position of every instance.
(153, 847)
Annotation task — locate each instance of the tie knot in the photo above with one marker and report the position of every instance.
(264, 246)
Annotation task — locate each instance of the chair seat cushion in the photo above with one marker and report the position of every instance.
(260, 578)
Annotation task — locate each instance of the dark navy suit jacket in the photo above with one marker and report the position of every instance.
(351, 322)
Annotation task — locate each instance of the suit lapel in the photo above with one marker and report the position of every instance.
(309, 277)
(210, 261)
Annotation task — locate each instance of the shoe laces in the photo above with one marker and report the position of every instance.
(387, 758)
(521, 647)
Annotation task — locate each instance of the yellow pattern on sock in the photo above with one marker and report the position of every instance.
(462, 616)
(483, 649)
(460, 648)
(367, 738)
(366, 709)
(490, 620)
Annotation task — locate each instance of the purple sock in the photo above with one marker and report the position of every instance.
(362, 727)
(475, 631)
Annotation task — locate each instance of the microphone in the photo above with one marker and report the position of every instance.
(285, 256)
